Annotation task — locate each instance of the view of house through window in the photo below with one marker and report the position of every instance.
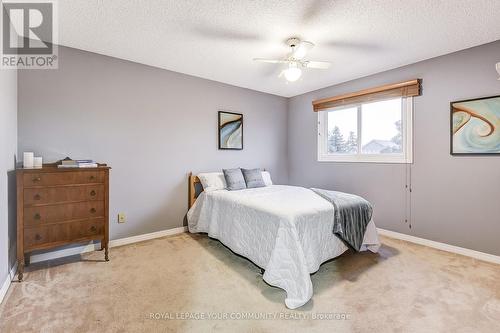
(375, 128)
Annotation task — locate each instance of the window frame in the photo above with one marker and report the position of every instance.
(405, 157)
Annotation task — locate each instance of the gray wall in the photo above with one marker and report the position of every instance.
(8, 148)
(151, 126)
(127, 114)
(455, 200)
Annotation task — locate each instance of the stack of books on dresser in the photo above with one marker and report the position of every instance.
(68, 163)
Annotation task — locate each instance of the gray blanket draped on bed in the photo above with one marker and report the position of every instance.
(351, 217)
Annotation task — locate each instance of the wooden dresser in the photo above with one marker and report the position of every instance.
(58, 206)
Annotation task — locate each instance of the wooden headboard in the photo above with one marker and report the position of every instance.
(193, 180)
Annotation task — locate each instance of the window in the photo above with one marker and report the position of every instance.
(378, 132)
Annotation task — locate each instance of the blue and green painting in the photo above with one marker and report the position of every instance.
(476, 126)
(230, 130)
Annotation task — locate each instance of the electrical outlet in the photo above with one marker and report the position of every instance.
(121, 217)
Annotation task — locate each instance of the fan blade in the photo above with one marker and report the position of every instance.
(317, 64)
(271, 61)
(300, 51)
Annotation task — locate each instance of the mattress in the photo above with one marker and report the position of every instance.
(287, 230)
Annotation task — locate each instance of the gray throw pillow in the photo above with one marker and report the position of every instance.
(253, 178)
(234, 179)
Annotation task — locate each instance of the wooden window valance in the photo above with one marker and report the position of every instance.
(401, 89)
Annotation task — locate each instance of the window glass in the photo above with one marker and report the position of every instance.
(342, 131)
(381, 127)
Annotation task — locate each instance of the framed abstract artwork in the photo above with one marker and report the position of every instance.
(230, 130)
(475, 126)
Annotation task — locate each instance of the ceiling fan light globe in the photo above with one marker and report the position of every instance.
(300, 52)
(292, 74)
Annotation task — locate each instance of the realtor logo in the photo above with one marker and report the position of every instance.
(29, 35)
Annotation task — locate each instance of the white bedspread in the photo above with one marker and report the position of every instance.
(286, 230)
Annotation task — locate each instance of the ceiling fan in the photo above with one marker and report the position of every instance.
(295, 60)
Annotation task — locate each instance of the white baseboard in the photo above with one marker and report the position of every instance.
(7, 282)
(144, 237)
(5, 287)
(34, 258)
(441, 246)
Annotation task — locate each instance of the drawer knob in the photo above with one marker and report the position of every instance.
(37, 197)
(37, 216)
(92, 210)
(93, 193)
(36, 179)
(38, 237)
(93, 228)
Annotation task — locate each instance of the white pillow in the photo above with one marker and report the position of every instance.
(212, 181)
(266, 176)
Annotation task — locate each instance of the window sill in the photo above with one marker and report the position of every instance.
(397, 159)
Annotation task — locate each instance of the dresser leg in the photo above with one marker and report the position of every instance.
(106, 253)
(20, 271)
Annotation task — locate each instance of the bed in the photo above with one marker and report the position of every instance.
(285, 230)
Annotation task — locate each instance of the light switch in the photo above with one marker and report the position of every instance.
(121, 217)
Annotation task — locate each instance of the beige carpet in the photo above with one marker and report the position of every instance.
(404, 288)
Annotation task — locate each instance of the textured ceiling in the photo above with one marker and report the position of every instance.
(217, 40)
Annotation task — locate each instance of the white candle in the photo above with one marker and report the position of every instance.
(37, 162)
(28, 159)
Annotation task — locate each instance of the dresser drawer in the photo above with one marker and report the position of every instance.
(63, 178)
(50, 235)
(87, 229)
(41, 236)
(67, 194)
(35, 216)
